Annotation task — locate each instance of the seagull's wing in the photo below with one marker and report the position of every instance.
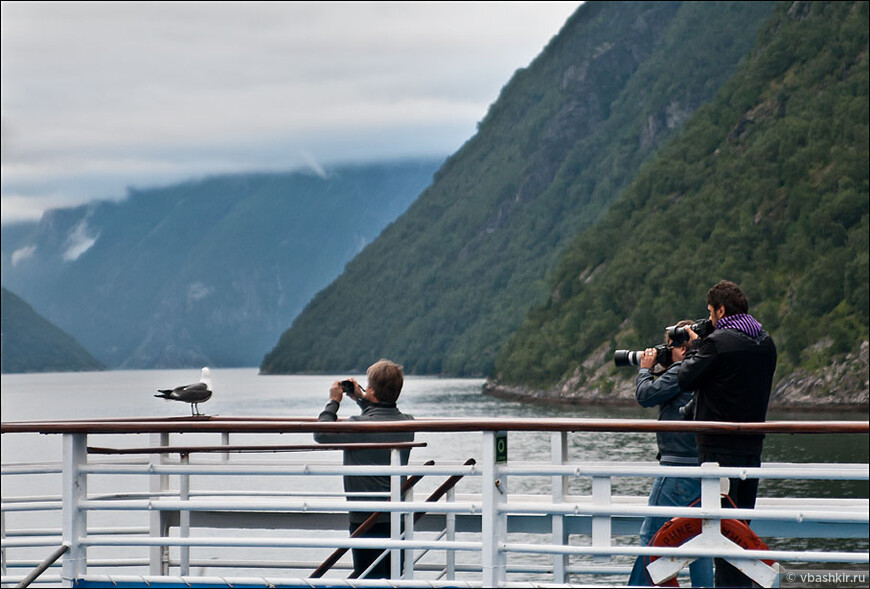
(192, 393)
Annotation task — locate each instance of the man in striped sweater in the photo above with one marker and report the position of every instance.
(731, 372)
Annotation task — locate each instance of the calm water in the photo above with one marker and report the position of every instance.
(242, 392)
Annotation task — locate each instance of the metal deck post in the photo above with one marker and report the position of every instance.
(493, 528)
(225, 441)
(409, 533)
(450, 531)
(3, 548)
(601, 489)
(184, 519)
(395, 517)
(75, 522)
(158, 556)
(559, 452)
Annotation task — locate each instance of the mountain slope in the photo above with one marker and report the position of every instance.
(766, 186)
(448, 282)
(32, 344)
(206, 272)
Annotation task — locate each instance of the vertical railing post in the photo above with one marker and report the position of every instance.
(601, 488)
(493, 528)
(75, 520)
(395, 517)
(559, 488)
(157, 485)
(225, 441)
(184, 518)
(450, 532)
(3, 549)
(409, 535)
(711, 500)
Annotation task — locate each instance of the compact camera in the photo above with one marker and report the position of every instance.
(348, 388)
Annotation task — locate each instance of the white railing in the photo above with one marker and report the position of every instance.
(481, 534)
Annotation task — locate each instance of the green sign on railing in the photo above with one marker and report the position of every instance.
(501, 447)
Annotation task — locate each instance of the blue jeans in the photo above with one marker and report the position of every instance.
(670, 491)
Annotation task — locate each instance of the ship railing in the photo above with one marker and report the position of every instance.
(499, 536)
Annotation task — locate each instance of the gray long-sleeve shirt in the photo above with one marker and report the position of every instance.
(366, 484)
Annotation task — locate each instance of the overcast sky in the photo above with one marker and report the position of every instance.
(100, 96)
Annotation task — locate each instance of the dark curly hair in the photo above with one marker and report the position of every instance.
(727, 294)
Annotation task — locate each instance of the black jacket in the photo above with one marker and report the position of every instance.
(731, 373)
(366, 484)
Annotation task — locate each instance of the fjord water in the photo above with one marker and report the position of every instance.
(243, 392)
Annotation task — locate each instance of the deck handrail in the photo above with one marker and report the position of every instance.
(253, 449)
(303, 425)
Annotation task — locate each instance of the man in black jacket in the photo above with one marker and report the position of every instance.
(378, 403)
(731, 371)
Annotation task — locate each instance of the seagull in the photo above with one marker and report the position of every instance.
(194, 394)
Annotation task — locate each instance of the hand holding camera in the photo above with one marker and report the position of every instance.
(348, 387)
(661, 354)
(701, 328)
(677, 336)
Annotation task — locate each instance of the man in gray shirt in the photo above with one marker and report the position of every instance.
(377, 403)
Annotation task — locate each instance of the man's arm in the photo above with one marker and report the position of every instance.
(697, 362)
(330, 413)
(651, 391)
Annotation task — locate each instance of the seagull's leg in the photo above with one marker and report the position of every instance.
(192, 405)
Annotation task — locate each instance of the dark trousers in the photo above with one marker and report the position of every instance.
(364, 557)
(743, 494)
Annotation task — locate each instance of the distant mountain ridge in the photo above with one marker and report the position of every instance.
(29, 343)
(443, 287)
(206, 272)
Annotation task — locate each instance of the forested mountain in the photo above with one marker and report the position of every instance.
(766, 186)
(208, 272)
(29, 343)
(445, 285)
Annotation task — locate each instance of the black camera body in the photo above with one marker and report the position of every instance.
(678, 335)
(348, 388)
(687, 411)
(629, 358)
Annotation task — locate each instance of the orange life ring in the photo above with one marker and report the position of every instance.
(681, 529)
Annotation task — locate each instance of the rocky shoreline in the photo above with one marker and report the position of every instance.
(841, 386)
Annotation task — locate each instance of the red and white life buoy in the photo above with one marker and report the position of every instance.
(682, 529)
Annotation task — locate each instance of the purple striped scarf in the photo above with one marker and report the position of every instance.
(741, 322)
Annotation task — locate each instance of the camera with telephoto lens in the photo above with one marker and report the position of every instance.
(678, 335)
(348, 388)
(629, 358)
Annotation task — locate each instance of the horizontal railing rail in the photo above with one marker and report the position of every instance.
(252, 449)
(303, 425)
